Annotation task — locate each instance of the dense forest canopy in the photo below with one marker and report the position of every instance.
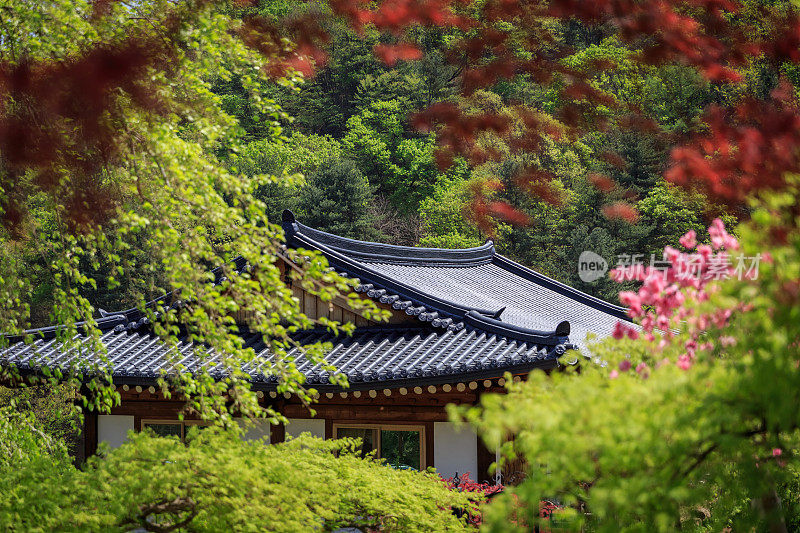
(357, 108)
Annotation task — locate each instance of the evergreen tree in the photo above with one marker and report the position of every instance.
(337, 199)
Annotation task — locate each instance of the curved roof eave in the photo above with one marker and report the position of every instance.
(403, 255)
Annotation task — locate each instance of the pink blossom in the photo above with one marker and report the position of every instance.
(716, 230)
(720, 238)
(672, 254)
(705, 251)
(613, 374)
(727, 340)
(632, 301)
(621, 330)
(654, 284)
(689, 240)
(643, 370)
(661, 301)
(777, 452)
(625, 365)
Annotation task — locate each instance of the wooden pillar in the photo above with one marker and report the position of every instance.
(89, 434)
(485, 456)
(277, 434)
(430, 460)
(485, 460)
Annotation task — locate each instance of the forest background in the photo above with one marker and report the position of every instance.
(369, 174)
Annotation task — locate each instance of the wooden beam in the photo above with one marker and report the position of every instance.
(439, 399)
(166, 409)
(376, 413)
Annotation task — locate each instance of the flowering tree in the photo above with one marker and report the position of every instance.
(691, 422)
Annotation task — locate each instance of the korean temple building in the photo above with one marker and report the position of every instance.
(460, 320)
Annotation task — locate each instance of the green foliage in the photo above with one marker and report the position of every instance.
(23, 444)
(669, 213)
(324, 104)
(287, 162)
(337, 198)
(297, 153)
(315, 180)
(643, 159)
(707, 448)
(404, 169)
(353, 79)
(673, 95)
(218, 482)
(444, 224)
(52, 408)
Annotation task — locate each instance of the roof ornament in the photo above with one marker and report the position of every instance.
(497, 313)
(563, 329)
(289, 224)
(287, 217)
(492, 325)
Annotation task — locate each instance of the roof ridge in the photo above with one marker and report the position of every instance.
(391, 253)
(559, 336)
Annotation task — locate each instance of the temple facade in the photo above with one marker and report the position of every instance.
(460, 320)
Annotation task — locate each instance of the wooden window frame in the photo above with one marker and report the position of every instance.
(182, 423)
(144, 421)
(390, 427)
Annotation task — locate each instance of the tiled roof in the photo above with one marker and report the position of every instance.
(446, 284)
(478, 313)
(373, 356)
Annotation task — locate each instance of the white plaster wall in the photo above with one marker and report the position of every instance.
(454, 451)
(315, 426)
(256, 429)
(113, 429)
